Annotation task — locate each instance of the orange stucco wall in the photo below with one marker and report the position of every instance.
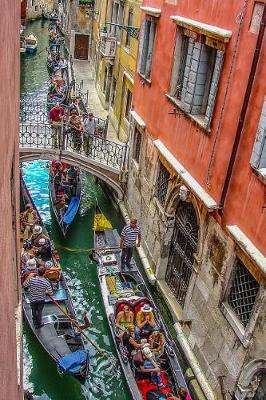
(10, 375)
(206, 154)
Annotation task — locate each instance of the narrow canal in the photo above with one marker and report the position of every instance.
(40, 374)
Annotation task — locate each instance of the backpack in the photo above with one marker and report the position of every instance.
(155, 395)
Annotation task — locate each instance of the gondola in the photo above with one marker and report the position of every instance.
(127, 287)
(58, 336)
(65, 215)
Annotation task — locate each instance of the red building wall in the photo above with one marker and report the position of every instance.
(206, 154)
(10, 370)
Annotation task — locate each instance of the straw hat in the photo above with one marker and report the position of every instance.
(146, 308)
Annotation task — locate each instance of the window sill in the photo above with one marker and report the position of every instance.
(244, 334)
(261, 173)
(198, 119)
(144, 80)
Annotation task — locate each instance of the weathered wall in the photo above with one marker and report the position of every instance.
(10, 375)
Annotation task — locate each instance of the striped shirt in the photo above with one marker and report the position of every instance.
(38, 287)
(129, 235)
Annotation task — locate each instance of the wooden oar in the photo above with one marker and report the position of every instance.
(87, 250)
(74, 322)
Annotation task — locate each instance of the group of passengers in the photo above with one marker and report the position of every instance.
(82, 127)
(144, 342)
(65, 178)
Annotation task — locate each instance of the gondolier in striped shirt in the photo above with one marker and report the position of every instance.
(38, 287)
(130, 238)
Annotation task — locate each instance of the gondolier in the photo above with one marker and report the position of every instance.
(38, 286)
(130, 238)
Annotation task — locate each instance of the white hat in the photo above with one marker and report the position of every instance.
(42, 241)
(37, 229)
(146, 308)
(147, 352)
(31, 263)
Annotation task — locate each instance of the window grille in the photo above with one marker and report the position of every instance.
(162, 184)
(243, 292)
(180, 80)
(137, 145)
(146, 45)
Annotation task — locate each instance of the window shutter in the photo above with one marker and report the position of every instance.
(144, 51)
(150, 49)
(141, 41)
(214, 86)
(259, 144)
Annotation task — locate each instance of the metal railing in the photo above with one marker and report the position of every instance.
(93, 147)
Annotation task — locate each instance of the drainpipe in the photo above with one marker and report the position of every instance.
(144, 260)
(193, 362)
(243, 111)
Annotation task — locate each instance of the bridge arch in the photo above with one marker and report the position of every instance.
(110, 175)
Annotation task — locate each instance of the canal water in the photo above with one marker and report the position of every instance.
(106, 380)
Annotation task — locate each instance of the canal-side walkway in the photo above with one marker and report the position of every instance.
(83, 72)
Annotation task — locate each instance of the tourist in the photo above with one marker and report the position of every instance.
(76, 130)
(145, 361)
(90, 128)
(157, 342)
(36, 236)
(125, 318)
(24, 256)
(56, 115)
(145, 321)
(44, 251)
(28, 219)
(38, 287)
(129, 341)
(130, 238)
(74, 106)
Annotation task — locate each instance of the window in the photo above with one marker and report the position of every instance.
(117, 18)
(128, 104)
(258, 158)
(162, 184)
(146, 45)
(113, 92)
(129, 23)
(136, 145)
(195, 75)
(243, 292)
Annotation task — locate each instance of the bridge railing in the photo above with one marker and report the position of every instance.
(93, 147)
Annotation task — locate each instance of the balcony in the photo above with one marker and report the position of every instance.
(107, 45)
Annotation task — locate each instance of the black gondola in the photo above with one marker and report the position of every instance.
(65, 214)
(58, 335)
(127, 287)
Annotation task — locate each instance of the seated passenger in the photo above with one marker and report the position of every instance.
(44, 251)
(129, 341)
(145, 321)
(146, 363)
(28, 219)
(125, 318)
(157, 342)
(36, 236)
(24, 256)
(31, 267)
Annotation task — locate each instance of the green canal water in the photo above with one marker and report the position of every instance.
(106, 380)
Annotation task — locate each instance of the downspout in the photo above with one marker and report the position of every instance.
(193, 362)
(243, 111)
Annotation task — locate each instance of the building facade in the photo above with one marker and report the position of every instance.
(36, 8)
(10, 297)
(196, 181)
(115, 43)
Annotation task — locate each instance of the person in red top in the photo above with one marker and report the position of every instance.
(56, 115)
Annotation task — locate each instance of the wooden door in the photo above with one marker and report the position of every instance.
(81, 47)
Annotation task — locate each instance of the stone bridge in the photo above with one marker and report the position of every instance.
(103, 158)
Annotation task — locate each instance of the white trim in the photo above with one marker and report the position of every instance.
(245, 243)
(224, 34)
(138, 119)
(155, 12)
(192, 184)
(129, 77)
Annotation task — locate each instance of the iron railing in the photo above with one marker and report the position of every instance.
(93, 147)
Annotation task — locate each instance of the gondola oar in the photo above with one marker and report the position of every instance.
(87, 250)
(74, 322)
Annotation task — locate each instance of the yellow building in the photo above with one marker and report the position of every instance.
(115, 58)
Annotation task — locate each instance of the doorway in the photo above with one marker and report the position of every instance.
(81, 51)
